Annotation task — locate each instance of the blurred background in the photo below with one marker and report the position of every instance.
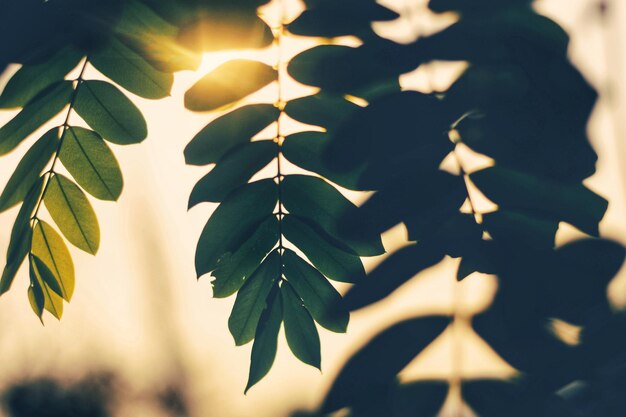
(145, 337)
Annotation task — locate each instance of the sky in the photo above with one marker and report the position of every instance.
(138, 308)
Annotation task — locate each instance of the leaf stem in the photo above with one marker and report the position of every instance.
(280, 68)
(48, 174)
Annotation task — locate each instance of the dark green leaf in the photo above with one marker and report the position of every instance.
(340, 18)
(320, 110)
(504, 224)
(46, 275)
(378, 362)
(314, 199)
(110, 113)
(28, 170)
(394, 271)
(49, 247)
(319, 296)
(21, 234)
(36, 298)
(300, 330)
(307, 150)
(422, 398)
(72, 212)
(233, 270)
(42, 108)
(233, 171)
(228, 131)
(265, 340)
(327, 258)
(233, 222)
(228, 83)
(30, 80)
(92, 164)
(518, 191)
(130, 70)
(52, 302)
(252, 300)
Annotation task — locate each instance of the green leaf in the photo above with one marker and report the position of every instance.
(377, 363)
(46, 275)
(252, 299)
(233, 171)
(320, 110)
(233, 270)
(319, 296)
(36, 298)
(314, 199)
(92, 163)
(31, 79)
(300, 330)
(265, 340)
(28, 170)
(228, 131)
(327, 258)
(110, 113)
(20, 242)
(52, 302)
(573, 203)
(42, 108)
(72, 212)
(233, 222)
(511, 225)
(49, 247)
(228, 83)
(306, 150)
(393, 272)
(130, 70)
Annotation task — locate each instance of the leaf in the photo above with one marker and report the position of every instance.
(504, 224)
(72, 212)
(49, 247)
(228, 131)
(21, 234)
(31, 79)
(110, 113)
(320, 110)
(232, 171)
(265, 340)
(392, 273)
(130, 70)
(421, 398)
(333, 19)
(28, 170)
(314, 199)
(319, 296)
(232, 271)
(42, 108)
(92, 164)
(46, 275)
(52, 302)
(300, 330)
(307, 150)
(228, 83)
(36, 298)
(252, 299)
(377, 363)
(233, 222)
(328, 259)
(518, 191)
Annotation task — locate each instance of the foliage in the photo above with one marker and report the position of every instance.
(276, 240)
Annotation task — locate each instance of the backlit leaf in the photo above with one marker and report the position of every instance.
(300, 330)
(49, 247)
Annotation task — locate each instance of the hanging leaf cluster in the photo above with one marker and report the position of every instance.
(521, 103)
(117, 39)
(274, 239)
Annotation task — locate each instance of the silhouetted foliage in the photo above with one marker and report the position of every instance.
(277, 241)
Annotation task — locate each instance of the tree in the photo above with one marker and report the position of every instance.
(276, 241)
